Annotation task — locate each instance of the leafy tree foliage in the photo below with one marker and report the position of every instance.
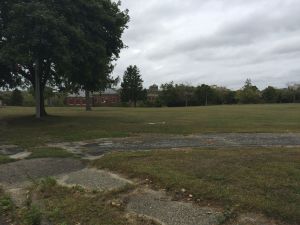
(249, 93)
(289, 95)
(270, 95)
(59, 43)
(230, 97)
(132, 86)
(204, 94)
(174, 95)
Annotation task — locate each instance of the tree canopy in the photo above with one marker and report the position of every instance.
(63, 43)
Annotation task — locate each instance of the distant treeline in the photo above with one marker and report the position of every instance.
(176, 95)
(25, 98)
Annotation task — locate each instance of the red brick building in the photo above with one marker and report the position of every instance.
(109, 97)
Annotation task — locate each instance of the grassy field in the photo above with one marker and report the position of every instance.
(252, 180)
(18, 126)
(259, 180)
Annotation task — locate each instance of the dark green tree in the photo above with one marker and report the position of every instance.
(270, 95)
(177, 95)
(59, 43)
(249, 94)
(99, 44)
(132, 86)
(204, 94)
(169, 96)
(34, 41)
(230, 97)
(16, 98)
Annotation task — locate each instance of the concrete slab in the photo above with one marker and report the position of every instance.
(96, 148)
(160, 207)
(93, 179)
(18, 172)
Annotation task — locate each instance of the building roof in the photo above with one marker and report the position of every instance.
(81, 93)
(109, 91)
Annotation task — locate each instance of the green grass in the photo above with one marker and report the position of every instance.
(6, 203)
(18, 126)
(62, 205)
(47, 152)
(5, 159)
(6, 207)
(259, 180)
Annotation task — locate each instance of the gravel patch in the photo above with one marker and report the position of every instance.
(161, 208)
(93, 179)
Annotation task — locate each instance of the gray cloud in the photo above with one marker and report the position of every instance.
(213, 41)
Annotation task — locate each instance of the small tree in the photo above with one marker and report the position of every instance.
(249, 94)
(132, 85)
(16, 98)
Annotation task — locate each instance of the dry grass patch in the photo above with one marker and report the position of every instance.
(258, 180)
(73, 124)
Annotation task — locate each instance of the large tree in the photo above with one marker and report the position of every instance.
(59, 43)
(132, 85)
(99, 44)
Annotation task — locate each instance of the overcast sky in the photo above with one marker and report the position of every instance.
(221, 42)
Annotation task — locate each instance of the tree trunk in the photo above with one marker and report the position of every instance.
(42, 102)
(134, 102)
(37, 90)
(88, 106)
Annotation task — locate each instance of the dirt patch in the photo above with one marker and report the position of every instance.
(5, 221)
(255, 219)
(160, 207)
(94, 180)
